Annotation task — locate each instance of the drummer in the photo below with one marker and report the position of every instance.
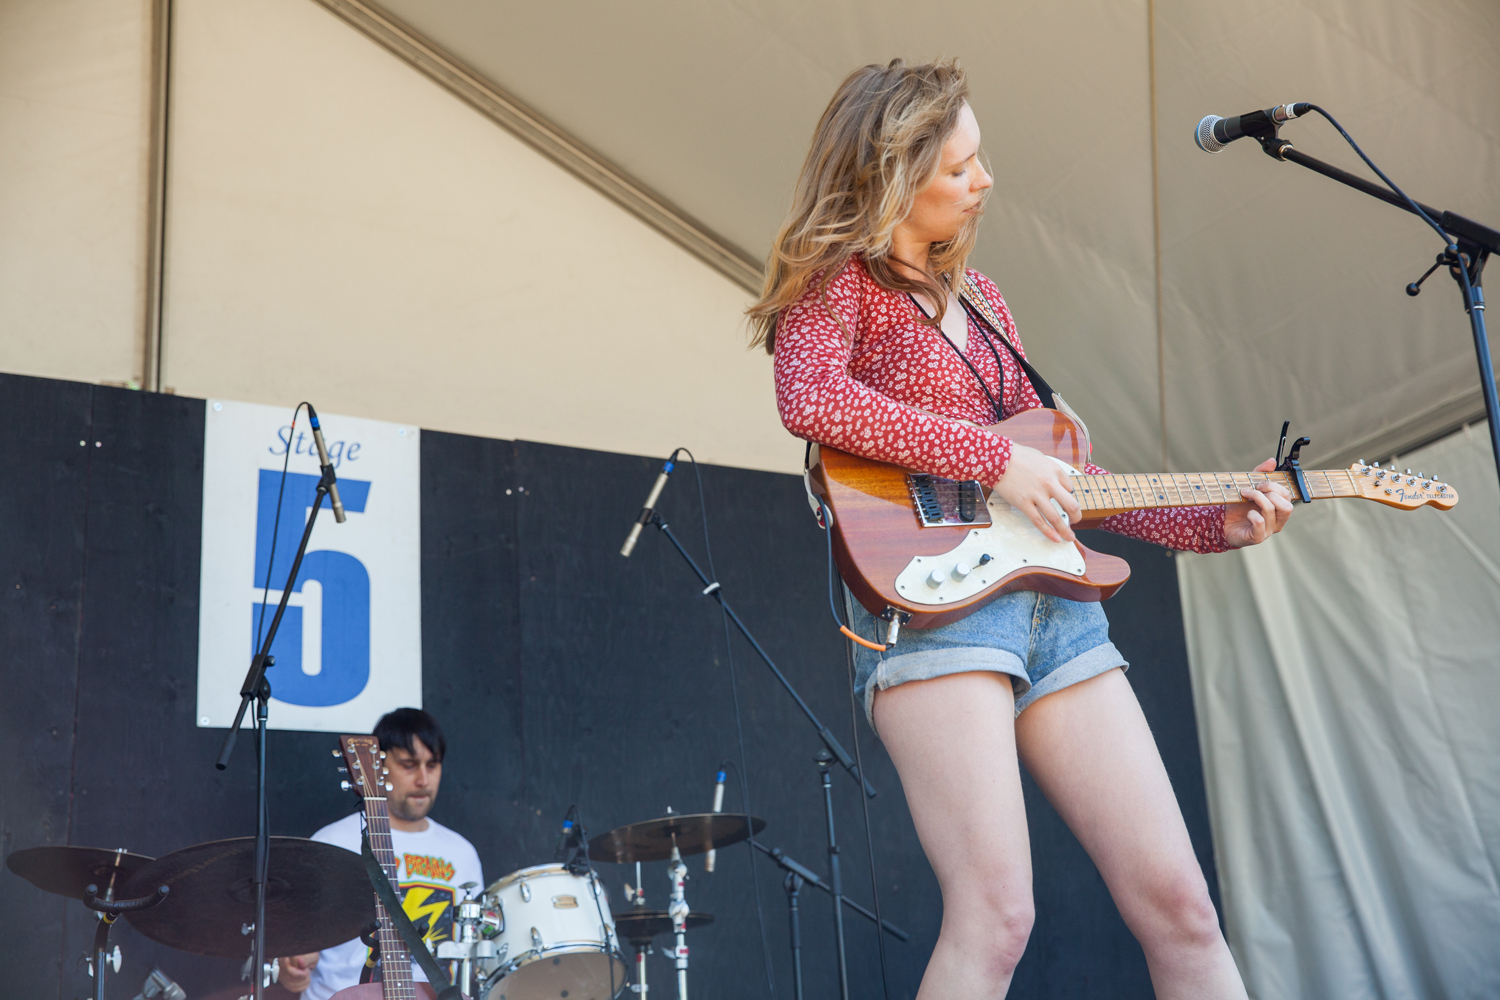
(433, 860)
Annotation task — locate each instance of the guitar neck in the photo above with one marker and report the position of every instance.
(396, 982)
(395, 959)
(1105, 495)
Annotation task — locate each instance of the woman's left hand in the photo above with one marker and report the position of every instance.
(1270, 504)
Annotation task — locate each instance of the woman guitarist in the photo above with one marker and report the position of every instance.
(877, 353)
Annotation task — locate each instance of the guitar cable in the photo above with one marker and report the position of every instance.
(833, 575)
(739, 727)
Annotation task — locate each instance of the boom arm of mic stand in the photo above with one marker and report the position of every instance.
(712, 589)
(1474, 240)
(811, 878)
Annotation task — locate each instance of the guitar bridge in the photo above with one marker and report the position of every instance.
(939, 502)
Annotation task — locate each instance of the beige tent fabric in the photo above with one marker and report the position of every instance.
(1347, 680)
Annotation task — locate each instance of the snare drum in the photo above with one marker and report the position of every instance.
(556, 938)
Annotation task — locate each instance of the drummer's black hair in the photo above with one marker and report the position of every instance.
(396, 729)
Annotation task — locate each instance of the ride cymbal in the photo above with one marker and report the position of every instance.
(317, 896)
(692, 833)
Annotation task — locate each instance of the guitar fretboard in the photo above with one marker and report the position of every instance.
(395, 960)
(1105, 495)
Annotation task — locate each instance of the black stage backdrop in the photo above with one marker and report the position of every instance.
(561, 672)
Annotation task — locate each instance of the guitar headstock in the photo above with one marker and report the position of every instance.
(1407, 490)
(365, 762)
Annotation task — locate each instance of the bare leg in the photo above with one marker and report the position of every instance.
(954, 746)
(1092, 754)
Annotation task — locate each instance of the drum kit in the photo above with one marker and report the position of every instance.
(539, 933)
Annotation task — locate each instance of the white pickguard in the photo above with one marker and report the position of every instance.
(1012, 542)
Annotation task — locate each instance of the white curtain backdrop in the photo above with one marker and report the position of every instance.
(1347, 679)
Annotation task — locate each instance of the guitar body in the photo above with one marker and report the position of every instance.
(878, 534)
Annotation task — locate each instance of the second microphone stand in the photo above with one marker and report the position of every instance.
(258, 688)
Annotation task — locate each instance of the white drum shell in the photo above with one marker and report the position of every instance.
(550, 940)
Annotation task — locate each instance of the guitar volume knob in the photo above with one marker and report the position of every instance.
(961, 570)
(935, 579)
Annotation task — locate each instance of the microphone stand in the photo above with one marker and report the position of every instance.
(257, 687)
(796, 876)
(1473, 242)
(712, 589)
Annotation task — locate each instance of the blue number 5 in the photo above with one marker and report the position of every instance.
(346, 595)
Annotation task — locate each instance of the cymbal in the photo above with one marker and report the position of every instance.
(68, 871)
(640, 926)
(693, 833)
(317, 896)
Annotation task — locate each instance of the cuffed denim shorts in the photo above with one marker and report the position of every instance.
(1043, 643)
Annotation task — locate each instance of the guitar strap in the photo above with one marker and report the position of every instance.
(973, 296)
(413, 937)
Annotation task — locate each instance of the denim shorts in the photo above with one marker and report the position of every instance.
(1043, 643)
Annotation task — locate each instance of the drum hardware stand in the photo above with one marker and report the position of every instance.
(257, 687)
(466, 946)
(807, 876)
(109, 910)
(637, 898)
(678, 910)
(712, 589)
(1469, 245)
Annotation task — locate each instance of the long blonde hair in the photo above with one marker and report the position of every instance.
(879, 142)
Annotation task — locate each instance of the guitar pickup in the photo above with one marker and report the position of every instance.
(940, 502)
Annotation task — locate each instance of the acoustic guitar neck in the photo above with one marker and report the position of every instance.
(366, 765)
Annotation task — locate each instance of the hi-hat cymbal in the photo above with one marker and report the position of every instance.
(693, 833)
(69, 871)
(317, 896)
(640, 926)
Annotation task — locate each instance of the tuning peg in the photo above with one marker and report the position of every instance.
(345, 786)
(1408, 472)
(390, 787)
(337, 754)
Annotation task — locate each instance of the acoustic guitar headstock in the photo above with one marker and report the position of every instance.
(1407, 490)
(365, 762)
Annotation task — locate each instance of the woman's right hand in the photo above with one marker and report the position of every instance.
(1030, 484)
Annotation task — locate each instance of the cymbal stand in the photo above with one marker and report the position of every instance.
(678, 911)
(109, 910)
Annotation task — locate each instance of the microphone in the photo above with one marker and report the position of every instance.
(566, 837)
(649, 509)
(708, 863)
(333, 489)
(1214, 133)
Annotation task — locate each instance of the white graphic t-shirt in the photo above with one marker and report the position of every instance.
(433, 864)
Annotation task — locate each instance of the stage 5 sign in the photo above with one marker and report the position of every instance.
(350, 644)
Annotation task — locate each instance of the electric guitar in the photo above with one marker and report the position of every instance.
(911, 544)
(365, 762)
